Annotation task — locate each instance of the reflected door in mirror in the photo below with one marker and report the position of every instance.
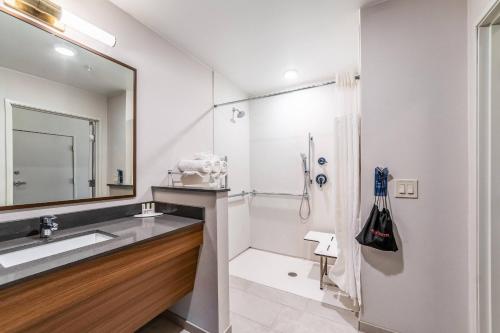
(52, 156)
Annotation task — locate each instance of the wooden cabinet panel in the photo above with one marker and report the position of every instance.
(119, 292)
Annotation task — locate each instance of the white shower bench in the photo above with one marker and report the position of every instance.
(327, 248)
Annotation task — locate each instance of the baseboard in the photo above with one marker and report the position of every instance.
(185, 324)
(369, 328)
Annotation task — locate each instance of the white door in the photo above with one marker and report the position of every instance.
(43, 167)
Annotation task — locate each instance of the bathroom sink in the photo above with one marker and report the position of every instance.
(24, 254)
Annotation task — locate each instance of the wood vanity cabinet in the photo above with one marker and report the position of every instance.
(118, 292)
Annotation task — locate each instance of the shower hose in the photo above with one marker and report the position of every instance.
(305, 201)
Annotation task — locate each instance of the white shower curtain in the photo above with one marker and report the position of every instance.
(346, 270)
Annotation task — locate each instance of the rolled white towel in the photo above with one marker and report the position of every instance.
(206, 156)
(223, 167)
(202, 166)
(216, 166)
(191, 173)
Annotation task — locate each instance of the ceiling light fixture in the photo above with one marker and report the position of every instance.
(291, 74)
(64, 51)
(87, 28)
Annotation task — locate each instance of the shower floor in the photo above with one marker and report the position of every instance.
(272, 270)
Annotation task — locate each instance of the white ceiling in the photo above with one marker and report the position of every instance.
(253, 43)
(31, 50)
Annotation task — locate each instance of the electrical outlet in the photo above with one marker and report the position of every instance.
(406, 188)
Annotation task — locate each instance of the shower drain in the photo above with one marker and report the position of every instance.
(292, 274)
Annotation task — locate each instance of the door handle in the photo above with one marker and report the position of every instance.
(19, 183)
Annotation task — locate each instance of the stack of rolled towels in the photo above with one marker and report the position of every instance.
(203, 164)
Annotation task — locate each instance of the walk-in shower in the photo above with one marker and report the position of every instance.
(273, 201)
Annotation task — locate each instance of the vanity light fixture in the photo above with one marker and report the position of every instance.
(56, 17)
(43, 10)
(64, 51)
(291, 75)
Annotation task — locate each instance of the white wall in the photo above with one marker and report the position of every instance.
(414, 87)
(173, 102)
(233, 140)
(117, 141)
(129, 138)
(49, 95)
(279, 128)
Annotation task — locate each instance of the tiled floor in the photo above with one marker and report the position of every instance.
(271, 269)
(256, 308)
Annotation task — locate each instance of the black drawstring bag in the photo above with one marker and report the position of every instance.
(378, 232)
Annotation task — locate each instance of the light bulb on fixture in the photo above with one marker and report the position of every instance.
(87, 28)
(64, 51)
(291, 74)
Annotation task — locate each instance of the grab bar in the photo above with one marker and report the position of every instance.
(255, 193)
(241, 194)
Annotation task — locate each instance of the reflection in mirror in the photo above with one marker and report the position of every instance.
(66, 119)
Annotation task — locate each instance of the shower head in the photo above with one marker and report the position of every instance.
(237, 113)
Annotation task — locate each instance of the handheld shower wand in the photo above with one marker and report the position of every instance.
(305, 191)
(304, 162)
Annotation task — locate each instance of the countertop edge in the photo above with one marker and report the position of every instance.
(108, 252)
(190, 189)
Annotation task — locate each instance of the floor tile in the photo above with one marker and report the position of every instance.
(241, 324)
(295, 321)
(254, 308)
(332, 313)
(238, 283)
(278, 296)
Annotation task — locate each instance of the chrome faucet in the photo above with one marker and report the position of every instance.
(47, 225)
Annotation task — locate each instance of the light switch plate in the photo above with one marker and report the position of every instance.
(410, 187)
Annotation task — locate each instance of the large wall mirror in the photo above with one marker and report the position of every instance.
(67, 120)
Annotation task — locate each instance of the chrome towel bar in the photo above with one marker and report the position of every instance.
(255, 193)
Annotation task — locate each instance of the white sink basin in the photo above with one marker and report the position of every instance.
(24, 255)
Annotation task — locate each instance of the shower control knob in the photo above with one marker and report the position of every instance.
(321, 179)
(322, 161)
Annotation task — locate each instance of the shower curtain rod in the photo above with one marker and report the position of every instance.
(357, 77)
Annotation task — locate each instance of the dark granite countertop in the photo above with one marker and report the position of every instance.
(190, 188)
(129, 231)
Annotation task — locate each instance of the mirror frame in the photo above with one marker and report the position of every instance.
(60, 35)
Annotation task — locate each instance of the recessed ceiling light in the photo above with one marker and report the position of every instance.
(64, 51)
(291, 74)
